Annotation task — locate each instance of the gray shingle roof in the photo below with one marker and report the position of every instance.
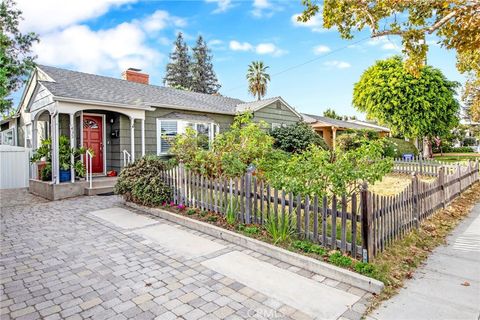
(85, 86)
(254, 105)
(340, 123)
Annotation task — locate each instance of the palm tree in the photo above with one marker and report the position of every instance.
(257, 79)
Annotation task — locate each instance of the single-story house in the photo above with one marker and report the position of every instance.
(122, 118)
(328, 128)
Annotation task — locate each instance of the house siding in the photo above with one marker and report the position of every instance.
(276, 113)
(224, 122)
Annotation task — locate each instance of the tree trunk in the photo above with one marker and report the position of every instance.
(427, 148)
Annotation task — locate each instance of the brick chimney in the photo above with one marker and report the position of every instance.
(134, 75)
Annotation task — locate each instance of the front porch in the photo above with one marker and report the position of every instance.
(53, 191)
(109, 134)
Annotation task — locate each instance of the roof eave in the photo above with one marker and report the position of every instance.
(162, 105)
(103, 103)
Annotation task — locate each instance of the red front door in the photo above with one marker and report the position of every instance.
(93, 138)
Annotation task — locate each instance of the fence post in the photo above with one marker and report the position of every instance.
(416, 211)
(459, 179)
(441, 181)
(367, 223)
(248, 195)
(181, 175)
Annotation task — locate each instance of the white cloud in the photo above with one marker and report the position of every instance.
(237, 46)
(261, 48)
(83, 49)
(263, 8)
(269, 48)
(337, 64)
(161, 19)
(48, 15)
(321, 49)
(216, 44)
(315, 23)
(222, 5)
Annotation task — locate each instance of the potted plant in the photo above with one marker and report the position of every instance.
(65, 152)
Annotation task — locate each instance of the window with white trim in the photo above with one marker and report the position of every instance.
(276, 125)
(168, 129)
(8, 137)
(28, 135)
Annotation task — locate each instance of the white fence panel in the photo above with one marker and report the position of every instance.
(14, 167)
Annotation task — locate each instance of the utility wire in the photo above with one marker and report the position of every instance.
(306, 62)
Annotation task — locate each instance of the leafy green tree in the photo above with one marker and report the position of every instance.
(204, 79)
(414, 107)
(258, 79)
(178, 73)
(16, 59)
(297, 138)
(455, 22)
(330, 113)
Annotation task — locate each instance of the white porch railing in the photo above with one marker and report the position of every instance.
(88, 165)
(127, 158)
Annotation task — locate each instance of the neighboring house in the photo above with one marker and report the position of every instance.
(328, 128)
(116, 117)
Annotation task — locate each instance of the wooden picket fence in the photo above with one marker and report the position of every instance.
(361, 225)
(427, 167)
(394, 216)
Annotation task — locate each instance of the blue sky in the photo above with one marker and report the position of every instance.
(107, 36)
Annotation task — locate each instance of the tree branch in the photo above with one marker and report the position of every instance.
(430, 29)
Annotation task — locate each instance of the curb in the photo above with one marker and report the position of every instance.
(295, 259)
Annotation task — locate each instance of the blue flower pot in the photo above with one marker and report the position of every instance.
(65, 175)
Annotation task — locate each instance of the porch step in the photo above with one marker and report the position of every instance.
(101, 185)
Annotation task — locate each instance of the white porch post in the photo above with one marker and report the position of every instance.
(143, 137)
(72, 146)
(57, 149)
(34, 169)
(53, 145)
(132, 138)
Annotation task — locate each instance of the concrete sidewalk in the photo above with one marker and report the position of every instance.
(448, 285)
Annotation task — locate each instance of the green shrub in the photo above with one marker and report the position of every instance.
(309, 247)
(469, 141)
(297, 138)
(340, 260)
(191, 212)
(232, 151)
(317, 171)
(231, 212)
(457, 150)
(212, 218)
(140, 182)
(251, 230)
(365, 268)
(401, 147)
(280, 229)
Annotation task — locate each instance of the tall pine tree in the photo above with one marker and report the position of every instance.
(178, 69)
(204, 79)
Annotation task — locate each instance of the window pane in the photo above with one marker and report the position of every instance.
(203, 130)
(169, 130)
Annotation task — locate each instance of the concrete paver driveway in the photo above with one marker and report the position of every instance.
(90, 257)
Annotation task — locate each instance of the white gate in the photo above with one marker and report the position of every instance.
(14, 167)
